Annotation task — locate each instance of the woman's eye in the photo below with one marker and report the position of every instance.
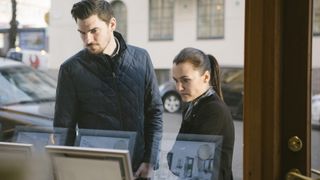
(185, 80)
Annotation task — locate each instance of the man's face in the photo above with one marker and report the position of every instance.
(95, 33)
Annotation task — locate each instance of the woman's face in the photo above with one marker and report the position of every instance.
(190, 83)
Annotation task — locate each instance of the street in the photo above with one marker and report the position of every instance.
(172, 122)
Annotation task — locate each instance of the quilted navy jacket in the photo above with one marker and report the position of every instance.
(118, 93)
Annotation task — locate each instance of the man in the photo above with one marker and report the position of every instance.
(110, 85)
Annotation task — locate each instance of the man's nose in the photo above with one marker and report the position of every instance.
(88, 38)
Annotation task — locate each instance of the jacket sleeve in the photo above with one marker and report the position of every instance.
(153, 110)
(66, 106)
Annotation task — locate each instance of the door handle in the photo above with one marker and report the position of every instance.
(295, 174)
(314, 171)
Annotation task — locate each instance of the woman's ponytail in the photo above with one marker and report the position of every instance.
(215, 75)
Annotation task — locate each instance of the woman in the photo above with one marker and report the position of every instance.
(197, 80)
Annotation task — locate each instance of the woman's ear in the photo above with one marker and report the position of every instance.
(206, 76)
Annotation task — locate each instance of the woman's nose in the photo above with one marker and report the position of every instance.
(179, 87)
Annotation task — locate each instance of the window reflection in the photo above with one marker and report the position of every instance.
(120, 13)
(190, 156)
(316, 17)
(315, 90)
(161, 19)
(25, 84)
(210, 19)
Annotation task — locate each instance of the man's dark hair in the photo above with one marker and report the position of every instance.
(86, 8)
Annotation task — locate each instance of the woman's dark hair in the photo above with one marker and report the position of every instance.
(203, 63)
(87, 8)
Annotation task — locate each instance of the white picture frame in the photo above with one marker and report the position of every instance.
(89, 163)
(15, 159)
(108, 139)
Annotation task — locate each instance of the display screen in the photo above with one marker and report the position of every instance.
(104, 142)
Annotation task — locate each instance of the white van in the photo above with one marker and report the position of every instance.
(33, 58)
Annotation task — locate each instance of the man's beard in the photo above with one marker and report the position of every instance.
(94, 48)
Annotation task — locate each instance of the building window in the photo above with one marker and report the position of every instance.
(210, 19)
(316, 17)
(120, 13)
(161, 19)
(163, 75)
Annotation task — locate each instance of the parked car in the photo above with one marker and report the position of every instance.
(33, 58)
(231, 85)
(27, 97)
(315, 110)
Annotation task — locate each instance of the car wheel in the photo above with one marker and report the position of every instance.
(171, 102)
(238, 115)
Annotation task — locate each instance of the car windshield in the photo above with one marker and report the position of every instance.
(232, 75)
(22, 84)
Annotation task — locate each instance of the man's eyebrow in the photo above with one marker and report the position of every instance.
(82, 32)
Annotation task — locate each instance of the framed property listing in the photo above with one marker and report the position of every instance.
(15, 150)
(195, 156)
(109, 139)
(89, 163)
(40, 136)
(15, 160)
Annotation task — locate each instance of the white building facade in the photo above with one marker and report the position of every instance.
(164, 27)
(227, 47)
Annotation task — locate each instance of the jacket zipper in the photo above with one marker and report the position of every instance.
(118, 97)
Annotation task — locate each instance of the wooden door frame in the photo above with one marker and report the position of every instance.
(277, 87)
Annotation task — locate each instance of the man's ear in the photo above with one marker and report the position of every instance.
(113, 23)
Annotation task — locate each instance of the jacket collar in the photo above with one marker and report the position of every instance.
(122, 43)
(190, 106)
(93, 63)
(121, 46)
